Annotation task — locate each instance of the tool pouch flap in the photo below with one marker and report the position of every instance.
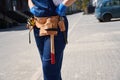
(48, 26)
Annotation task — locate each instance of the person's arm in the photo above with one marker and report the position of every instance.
(30, 4)
(32, 7)
(68, 2)
(61, 9)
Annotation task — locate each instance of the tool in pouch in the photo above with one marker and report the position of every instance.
(62, 28)
(49, 26)
(30, 22)
(30, 25)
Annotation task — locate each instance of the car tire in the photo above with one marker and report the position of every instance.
(100, 20)
(107, 17)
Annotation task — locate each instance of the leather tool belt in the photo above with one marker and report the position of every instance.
(49, 25)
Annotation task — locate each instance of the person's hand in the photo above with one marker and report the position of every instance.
(61, 9)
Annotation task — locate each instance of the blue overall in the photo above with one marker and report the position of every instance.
(50, 71)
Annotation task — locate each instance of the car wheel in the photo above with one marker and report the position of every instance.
(107, 17)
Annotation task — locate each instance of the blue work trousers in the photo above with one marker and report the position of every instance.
(51, 71)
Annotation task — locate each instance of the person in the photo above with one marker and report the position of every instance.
(42, 10)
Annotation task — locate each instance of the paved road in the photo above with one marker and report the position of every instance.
(92, 52)
(18, 59)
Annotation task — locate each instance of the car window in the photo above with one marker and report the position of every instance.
(116, 3)
(107, 4)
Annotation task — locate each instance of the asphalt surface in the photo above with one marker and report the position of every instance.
(93, 51)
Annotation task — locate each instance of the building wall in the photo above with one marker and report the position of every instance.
(3, 5)
(20, 5)
(9, 5)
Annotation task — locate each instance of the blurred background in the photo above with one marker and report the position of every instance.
(9, 18)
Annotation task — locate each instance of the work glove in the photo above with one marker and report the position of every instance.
(61, 9)
(35, 11)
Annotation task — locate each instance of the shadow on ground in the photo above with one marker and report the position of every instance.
(15, 28)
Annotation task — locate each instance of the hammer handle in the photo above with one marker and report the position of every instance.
(52, 49)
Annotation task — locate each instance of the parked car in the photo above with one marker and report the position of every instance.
(107, 9)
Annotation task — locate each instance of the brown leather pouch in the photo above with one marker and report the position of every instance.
(48, 26)
(61, 25)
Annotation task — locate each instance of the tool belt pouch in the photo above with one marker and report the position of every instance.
(61, 25)
(48, 26)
